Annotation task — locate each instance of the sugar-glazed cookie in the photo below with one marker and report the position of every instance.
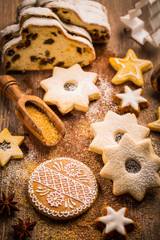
(155, 126)
(155, 79)
(114, 223)
(9, 147)
(130, 68)
(110, 131)
(70, 88)
(132, 166)
(130, 100)
(62, 188)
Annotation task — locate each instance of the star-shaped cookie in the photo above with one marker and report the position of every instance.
(132, 166)
(155, 126)
(110, 131)
(70, 88)
(131, 100)
(9, 147)
(114, 221)
(130, 68)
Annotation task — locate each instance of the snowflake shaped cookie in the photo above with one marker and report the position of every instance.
(130, 68)
(155, 126)
(109, 132)
(9, 147)
(70, 88)
(114, 221)
(131, 100)
(133, 167)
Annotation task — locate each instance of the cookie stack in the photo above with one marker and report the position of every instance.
(128, 155)
(54, 33)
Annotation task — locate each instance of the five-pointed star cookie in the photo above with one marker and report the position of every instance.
(131, 100)
(130, 68)
(132, 166)
(155, 126)
(70, 88)
(9, 147)
(110, 131)
(114, 221)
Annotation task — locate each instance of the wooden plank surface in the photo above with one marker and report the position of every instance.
(14, 177)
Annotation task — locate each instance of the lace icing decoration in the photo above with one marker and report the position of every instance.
(53, 180)
(55, 199)
(72, 170)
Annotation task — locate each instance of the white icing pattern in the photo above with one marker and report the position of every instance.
(132, 166)
(62, 189)
(115, 221)
(131, 98)
(136, 64)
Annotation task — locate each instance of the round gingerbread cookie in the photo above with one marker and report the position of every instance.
(62, 188)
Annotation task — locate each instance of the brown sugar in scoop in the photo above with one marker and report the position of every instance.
(49, 131)
(33, 113)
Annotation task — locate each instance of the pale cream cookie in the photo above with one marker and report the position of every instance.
(132, 166)
(9, 147)
(110, 131)
(70, 88)
(62, 188)
(130, 68)
(130, 100)
(114, 223)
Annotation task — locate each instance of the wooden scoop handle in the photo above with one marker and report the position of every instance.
(9, 88)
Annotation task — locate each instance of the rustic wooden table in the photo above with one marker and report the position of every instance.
(14, 177)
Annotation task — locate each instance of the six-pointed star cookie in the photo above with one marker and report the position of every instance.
(114, 221)
(110, 131)
(155, 126)
(9, 147)
(130, 68)
(131, 100)
(132, 166)
(70, 88)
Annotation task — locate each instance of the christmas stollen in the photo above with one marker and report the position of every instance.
(13, 31)
(43, 44)
(90, 15)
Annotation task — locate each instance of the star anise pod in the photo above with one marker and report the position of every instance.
(23, 228)
(7, 204)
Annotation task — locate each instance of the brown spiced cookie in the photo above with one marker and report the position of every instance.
(115, 223)
(130, 100)
(62, 188)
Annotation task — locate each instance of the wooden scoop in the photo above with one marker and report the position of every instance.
(10, 89)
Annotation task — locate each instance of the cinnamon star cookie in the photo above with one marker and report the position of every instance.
(70, 88)
(132, 166)
(114, 223)
(62, 188)
(130, 100)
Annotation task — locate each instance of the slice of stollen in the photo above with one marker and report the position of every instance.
(25, 5)
(8, 34)
(47, 13)
(43, 44)
(90, 15)
(13, 31)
